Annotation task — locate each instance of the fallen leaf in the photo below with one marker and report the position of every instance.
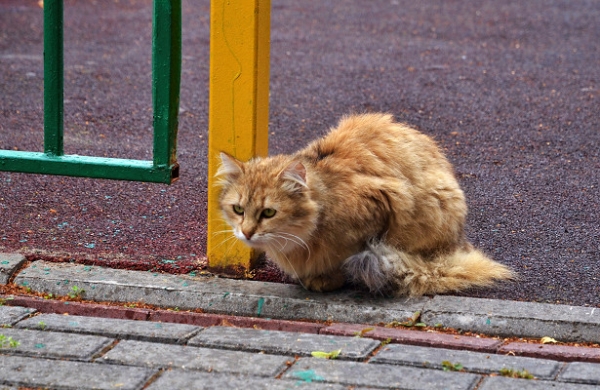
(362, 332)
(548, 340)
(326, 355)
(224, 322)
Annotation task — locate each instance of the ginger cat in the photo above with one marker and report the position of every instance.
(374, 203)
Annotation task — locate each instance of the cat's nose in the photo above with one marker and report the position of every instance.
(248, 234)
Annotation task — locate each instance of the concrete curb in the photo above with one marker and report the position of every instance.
(213, 295)
(9, 263)
(264, 300)
(511, 318)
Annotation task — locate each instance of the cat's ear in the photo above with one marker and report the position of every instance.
(230, 167)
(295, 176)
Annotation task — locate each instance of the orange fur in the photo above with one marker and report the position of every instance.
(374, 202)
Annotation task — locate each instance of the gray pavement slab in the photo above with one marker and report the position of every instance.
(287, 343)
(111, 327)
(185, 380)
(9, 263)
(484, 363)
(63, 374)
(507, 318)
(580, 372)
(503, 383)
(216, 295)
(9, 315)
(273, 300)
(37, 343)
(378, 375)
(147, 354)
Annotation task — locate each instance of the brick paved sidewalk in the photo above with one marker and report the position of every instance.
(70, 351)
(248, 336)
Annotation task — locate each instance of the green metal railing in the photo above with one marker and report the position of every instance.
(166, 73)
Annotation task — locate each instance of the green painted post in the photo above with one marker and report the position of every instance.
(53, 77)
(83, 166)
(166, 76)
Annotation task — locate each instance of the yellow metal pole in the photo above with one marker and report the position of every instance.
(238, 112)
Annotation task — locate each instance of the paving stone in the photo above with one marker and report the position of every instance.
(502, 383)
(274, 324)
(62, 374)
(521, 319)
(581, 373)
(550, 351)
(9, 263)
(378, 375)
(185, 380)
(415, 337)
(39, 343)
(9, 315)
(80, 308)
(484, 363)
(199, 319)
(216, 295)
(110, 327)
(207, 319)
(147, 354)
(277, 342)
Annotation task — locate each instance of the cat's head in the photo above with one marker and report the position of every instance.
(267, 202)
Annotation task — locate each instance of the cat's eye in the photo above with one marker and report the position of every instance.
(268, 213)
(239, 210)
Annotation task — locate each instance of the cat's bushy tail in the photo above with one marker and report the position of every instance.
(386, 270)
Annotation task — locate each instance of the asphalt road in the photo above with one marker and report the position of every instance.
(509, 89)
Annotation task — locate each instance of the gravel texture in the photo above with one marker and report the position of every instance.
(509, 89)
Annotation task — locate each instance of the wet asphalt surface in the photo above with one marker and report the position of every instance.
(509, 89)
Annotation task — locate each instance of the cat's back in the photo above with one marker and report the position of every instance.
(375, 144)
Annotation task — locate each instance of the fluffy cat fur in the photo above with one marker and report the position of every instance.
(374, 203)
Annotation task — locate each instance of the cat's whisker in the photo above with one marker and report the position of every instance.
(293, 240)
(222, 232)
(232, 242)
(221, 221)
(290, 263)
(297, 240)
(221, 244)
(274, 238)
(224, 242)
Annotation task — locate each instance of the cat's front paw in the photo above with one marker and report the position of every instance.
(323, 283)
